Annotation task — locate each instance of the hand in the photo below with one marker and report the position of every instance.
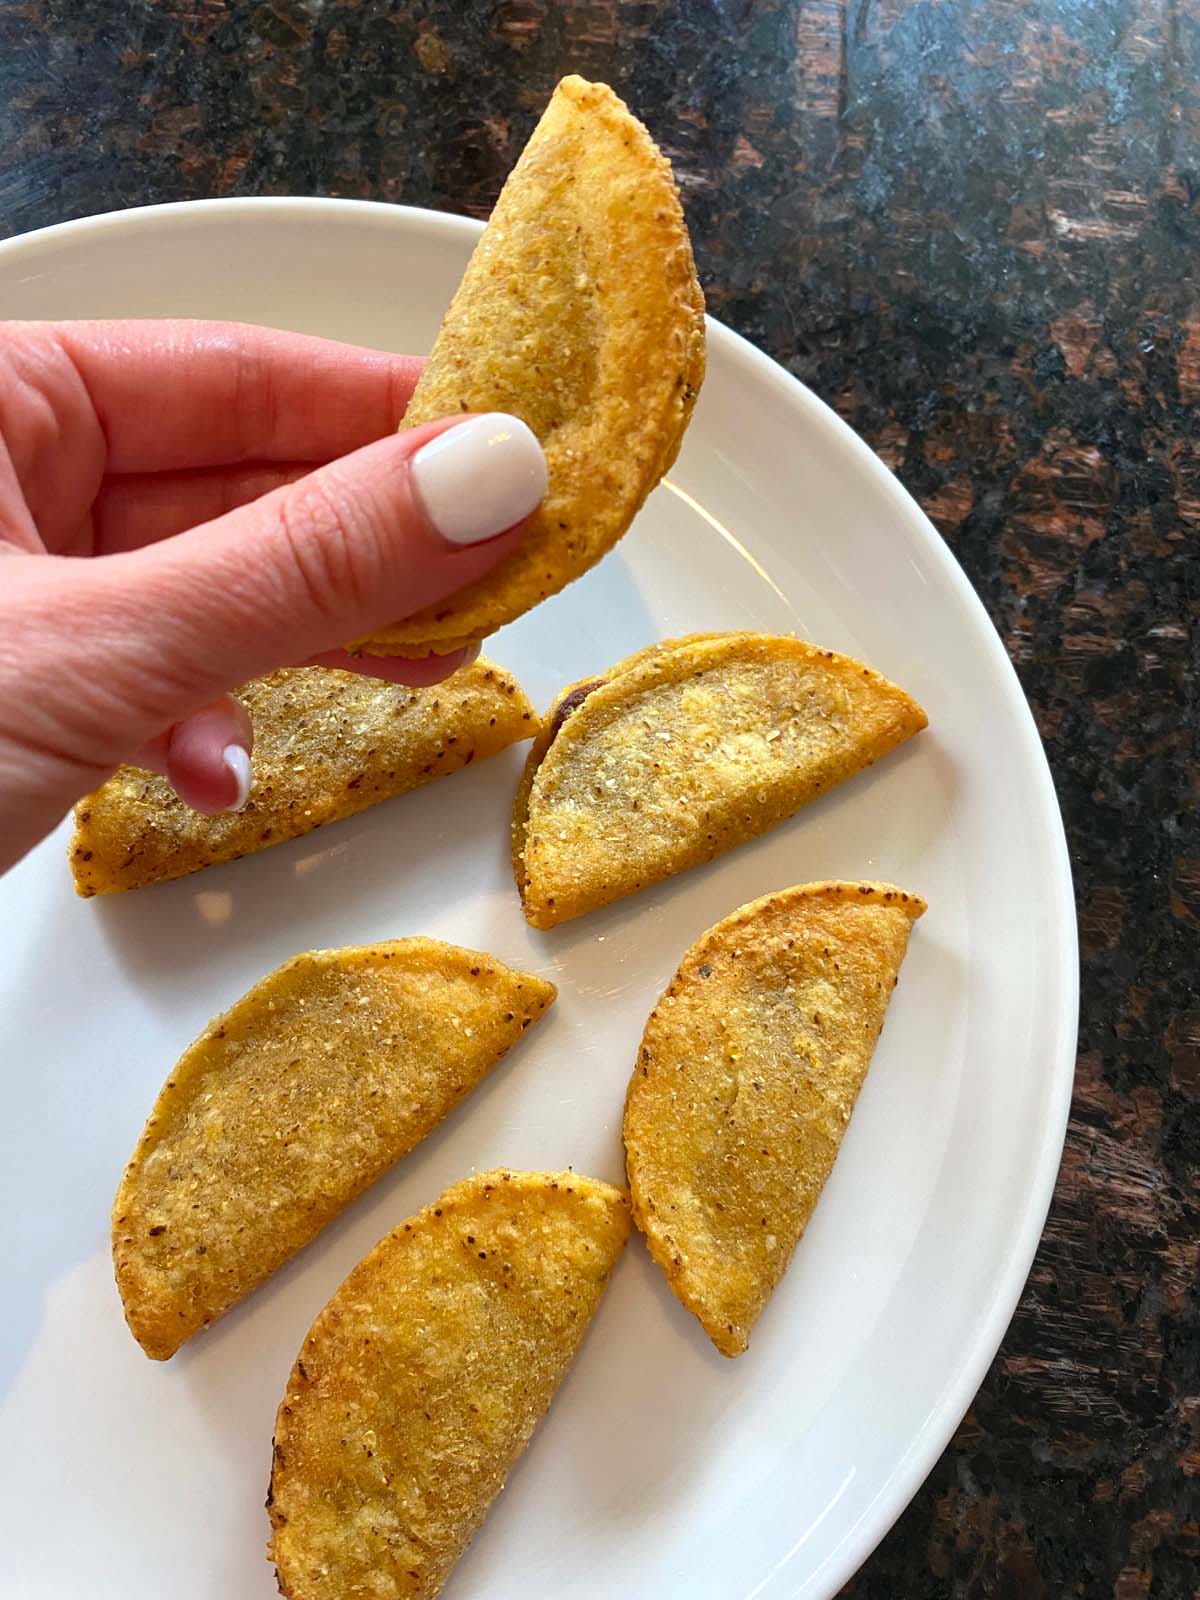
(243, 502)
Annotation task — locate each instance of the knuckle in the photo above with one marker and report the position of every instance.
(45, 409)
(332, 545)
(254, 412)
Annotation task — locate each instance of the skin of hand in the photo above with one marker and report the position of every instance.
(186, 505)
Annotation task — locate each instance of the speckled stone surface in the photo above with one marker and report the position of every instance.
(974, 227)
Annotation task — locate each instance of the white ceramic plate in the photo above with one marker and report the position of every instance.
(663, 1472)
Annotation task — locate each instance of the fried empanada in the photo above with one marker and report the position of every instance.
(682, 751)
(746, 1077)
(291, 1104)
(580, 313)
(326, 744)
(424, 1377)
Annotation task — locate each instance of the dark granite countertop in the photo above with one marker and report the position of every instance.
(974, 227)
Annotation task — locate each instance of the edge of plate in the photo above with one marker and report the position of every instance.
(133, 216)
(915, 1466)
(1063, 983)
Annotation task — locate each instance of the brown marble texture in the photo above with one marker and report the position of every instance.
(974, 227)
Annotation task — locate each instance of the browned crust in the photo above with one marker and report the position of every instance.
(579, 312)
(696, 1282)
(327, 745)
(548, 894)
(566, 701)
(289, 1105)
(573, 696)
(423, 1379)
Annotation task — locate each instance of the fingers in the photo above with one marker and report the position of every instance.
(140, 507)
(158, 632)
(206, 757)
(177, 394)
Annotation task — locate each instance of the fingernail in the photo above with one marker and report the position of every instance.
(238, 764)
(479, 478)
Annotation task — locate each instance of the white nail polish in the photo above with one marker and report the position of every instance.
(480, 477)
(238, 762)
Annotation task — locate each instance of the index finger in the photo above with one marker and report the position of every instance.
(177, 394)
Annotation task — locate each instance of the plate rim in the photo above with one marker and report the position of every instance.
(1062, 974)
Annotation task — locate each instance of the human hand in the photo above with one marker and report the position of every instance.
(245, 503)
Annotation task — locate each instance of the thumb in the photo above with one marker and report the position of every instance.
(362, 542)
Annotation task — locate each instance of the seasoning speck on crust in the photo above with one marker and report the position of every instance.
(421, 1382)
(744, 1084)
(288, 1106)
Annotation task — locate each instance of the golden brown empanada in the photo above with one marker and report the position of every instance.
(288, 1106)
(684, 750)
(422, 1380)
(580, 313)
(745, 1080)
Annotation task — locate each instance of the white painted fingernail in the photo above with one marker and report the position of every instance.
(238, 763)
(479, 478)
